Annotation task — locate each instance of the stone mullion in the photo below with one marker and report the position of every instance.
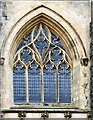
(57, 85)
(27, 90)
(42, 84)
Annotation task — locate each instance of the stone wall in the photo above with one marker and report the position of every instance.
(76, 13)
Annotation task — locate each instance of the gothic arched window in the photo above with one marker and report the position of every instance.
(41, 69)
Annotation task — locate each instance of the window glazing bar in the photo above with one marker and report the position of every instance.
(57, 85)
(27, 91)
(42, 84)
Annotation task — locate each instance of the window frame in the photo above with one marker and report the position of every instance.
(27, 96)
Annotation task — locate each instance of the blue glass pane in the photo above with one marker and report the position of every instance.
(36, 32)
(49, 85)
(57, 41)
(19, 84)
(45, 32)
(56, 56)
(64, 85)
(34, 84)
(26, 40)
(41, 44)
(48, 50)
(26, 56)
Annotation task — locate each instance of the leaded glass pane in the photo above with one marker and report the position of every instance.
(42, 73)
(49, 85)
(26, 40)
(19, 85)
(45, 32)
(36, 31)
(34, 84)
(55, 40)
(64, 85)
(26, 56)
(41, 45)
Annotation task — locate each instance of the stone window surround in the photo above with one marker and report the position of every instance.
(39, 60)
(7, 68)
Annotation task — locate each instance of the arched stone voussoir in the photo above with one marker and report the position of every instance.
(19, 26)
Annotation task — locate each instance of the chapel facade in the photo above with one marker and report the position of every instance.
(46, 54)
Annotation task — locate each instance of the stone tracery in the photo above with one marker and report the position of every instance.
(41, 55)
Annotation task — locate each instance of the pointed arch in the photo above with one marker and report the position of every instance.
(56, 22)
(19, 26)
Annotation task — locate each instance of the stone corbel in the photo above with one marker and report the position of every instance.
(84, 61)
(89, 116)
(67, 115)
(2, 61)
(22, 115)
(45, 115)
(1, 116)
